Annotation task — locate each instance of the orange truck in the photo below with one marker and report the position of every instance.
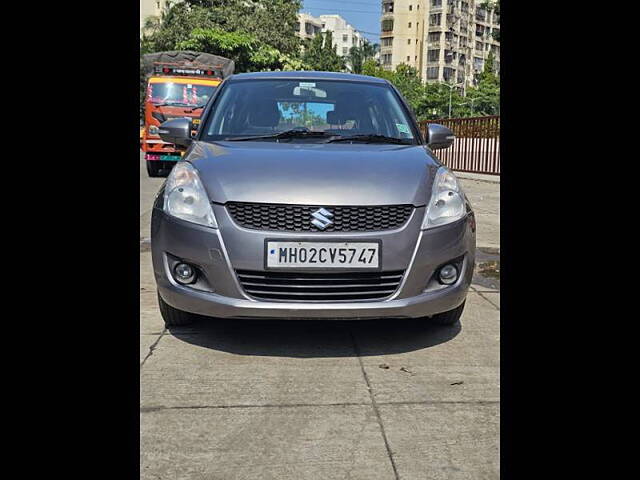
(179, 85)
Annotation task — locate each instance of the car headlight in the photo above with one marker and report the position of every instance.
(153, 130)
(447, 202)
(186, 198)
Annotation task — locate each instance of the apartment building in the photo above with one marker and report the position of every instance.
(445, 40)
(308, 26)
(152, 8)
(344, 35)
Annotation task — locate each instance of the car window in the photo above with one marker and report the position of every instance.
(264, 107)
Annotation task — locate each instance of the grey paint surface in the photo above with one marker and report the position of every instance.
(314, 174)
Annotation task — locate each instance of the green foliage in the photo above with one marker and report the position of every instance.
(320, 54)
(486, 94)
(359, 55)
(431, 101)
(271, 22)
(248, 53)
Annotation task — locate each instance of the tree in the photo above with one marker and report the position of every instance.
(359, 55)
(321, 54)
(486, 93)
(272, 22)
(248, 53)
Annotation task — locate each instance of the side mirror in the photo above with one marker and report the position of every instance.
(439, 136)
(177, 130)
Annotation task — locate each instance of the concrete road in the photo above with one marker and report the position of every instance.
(317, 400)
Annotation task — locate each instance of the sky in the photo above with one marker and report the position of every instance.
(364, 15)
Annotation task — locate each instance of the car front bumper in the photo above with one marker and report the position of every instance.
(219, 252)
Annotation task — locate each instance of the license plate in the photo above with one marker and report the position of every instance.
(322, 254)
(170, 157)
(196, 121)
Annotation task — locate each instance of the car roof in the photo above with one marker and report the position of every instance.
(305, 75)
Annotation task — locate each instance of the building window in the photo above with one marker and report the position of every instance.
(433, 37)
(387, 25)
(408, 58)
(410, 8)
(345, 50)
(386, 42)
(387, 7)
(432, 73)
(409, 42)
(409, 24)
(478, 64)
(433, 55)
(449, 56)
(479, 46)
(436, 3)
(344, 38)
(386, 59)
(448, 73)
(435, 19)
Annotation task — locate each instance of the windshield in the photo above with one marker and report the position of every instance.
(267, 107)
(179, 93)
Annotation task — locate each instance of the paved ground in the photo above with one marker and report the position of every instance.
(321, 400)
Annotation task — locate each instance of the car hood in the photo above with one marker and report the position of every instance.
(314, 174)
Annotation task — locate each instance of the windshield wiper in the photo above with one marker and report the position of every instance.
(296, 132)
(171, 104)
(370, 138)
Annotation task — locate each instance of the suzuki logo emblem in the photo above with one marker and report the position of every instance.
(321, 218)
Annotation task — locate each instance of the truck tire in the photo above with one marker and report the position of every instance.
(448, 318)
(154, 168)
(172, 316)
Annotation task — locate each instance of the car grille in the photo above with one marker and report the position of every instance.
(297, 218)
(319, 287)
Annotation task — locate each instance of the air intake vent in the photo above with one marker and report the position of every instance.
(319, 287)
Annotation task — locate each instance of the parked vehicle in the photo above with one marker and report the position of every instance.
(179, 85)
(310, 195)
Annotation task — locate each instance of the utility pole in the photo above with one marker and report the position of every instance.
(451, 87)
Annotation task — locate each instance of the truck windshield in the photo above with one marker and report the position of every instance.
(332, 107)
(179, 93)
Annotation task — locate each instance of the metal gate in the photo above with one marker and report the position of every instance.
(476, 147)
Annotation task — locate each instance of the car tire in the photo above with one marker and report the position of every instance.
(153, 168)
(172, 316)
(448, 318)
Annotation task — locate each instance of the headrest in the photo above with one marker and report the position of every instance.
(265, 113)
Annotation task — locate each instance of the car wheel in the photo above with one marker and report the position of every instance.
(448, 318)
(172, 316)
(153, 168)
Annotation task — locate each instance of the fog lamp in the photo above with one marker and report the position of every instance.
(184, 273)
(448, 274)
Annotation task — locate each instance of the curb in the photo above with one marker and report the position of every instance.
(478, 177)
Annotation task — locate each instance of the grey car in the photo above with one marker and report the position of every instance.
(310, 195)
